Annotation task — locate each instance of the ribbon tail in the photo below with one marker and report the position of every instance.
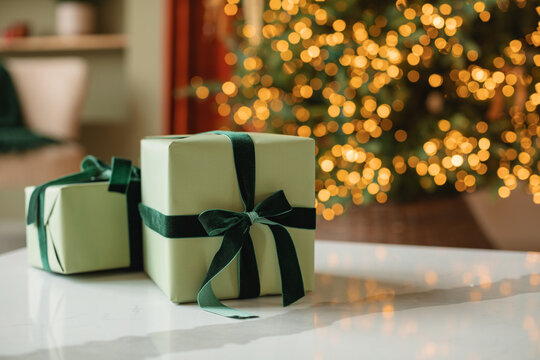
(133, 196)
(207, 300)
(250, 286)
(125, 179)
(42, 231)
(292, 284)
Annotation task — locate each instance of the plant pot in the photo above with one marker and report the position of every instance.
(436, 221)
(511, 223)
(75, 18)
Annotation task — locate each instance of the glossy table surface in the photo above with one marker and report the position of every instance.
(370, 302)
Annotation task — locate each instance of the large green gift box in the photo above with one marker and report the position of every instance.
(186, 176)
(81, 223)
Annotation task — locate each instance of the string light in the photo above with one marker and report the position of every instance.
(352, 78)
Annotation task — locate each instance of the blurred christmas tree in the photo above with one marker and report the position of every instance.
(403, 99)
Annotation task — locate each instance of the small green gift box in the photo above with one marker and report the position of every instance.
(228, 215)
(86, 221)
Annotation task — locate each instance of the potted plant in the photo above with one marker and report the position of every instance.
(75, 17)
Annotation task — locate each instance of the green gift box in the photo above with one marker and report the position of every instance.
(81, 223)
(210, 183)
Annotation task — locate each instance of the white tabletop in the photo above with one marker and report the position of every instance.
(370, 302)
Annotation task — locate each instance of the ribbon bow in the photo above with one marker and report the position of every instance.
(274, 212)
(218, 222)
(120, 175)
(234, 226)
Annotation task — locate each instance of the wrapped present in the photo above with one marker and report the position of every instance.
(228, 215)
(86, 221)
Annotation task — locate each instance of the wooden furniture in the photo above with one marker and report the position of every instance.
(105, 51)
(370, 302)
(63, 43)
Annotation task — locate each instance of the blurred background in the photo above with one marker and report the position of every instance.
(424, 113)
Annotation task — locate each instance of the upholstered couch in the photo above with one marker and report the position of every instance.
(51, 92)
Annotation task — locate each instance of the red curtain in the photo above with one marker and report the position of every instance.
(194, 50)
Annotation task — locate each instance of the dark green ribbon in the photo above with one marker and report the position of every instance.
(275, 212)
(123, 178)
(234, 226)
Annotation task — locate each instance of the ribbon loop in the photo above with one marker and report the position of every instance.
(216, 222)
(94, 167)
(120, 175)
(274, 205)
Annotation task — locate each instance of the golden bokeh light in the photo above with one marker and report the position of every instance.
(409, 93)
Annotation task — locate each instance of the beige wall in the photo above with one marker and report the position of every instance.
(145, 65)
(127, 101)
(143, 69)
(40, 14)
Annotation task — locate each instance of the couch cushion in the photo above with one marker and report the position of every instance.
(38, 166)
(51, 93)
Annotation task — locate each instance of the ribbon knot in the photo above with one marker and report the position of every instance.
(253, 216)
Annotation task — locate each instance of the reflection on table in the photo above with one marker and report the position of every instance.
(371, 301)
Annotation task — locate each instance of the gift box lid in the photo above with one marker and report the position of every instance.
(187, 174)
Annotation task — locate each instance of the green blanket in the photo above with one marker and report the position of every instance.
(14, 135)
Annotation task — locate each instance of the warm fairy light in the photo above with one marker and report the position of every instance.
(228, 88)
(352, 77)
(327, 165)
(435, 80)
(457, 160)
(230, 9)
(202, 92)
